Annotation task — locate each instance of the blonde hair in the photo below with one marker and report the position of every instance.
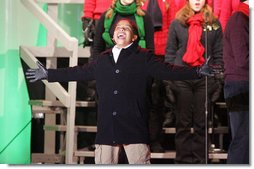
(140, 12)
(186, 12)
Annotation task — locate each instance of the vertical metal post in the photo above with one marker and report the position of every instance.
(206, 89)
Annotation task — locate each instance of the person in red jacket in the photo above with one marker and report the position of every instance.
(93, 9)
(223, 9)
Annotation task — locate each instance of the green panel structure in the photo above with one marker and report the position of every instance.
(20, 27)
(69, 18)
(15, 111)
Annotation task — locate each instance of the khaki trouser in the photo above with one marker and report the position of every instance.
(136, 153)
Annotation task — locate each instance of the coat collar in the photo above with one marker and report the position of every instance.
(124, 54)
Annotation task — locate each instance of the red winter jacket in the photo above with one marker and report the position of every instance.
(179, 4)
(94, 8)
(210, 2)
(168, 9)
(223, 9)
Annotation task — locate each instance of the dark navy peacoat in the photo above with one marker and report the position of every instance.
(123, 107)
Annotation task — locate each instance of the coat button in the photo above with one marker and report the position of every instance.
(117, 71)
(115, 92)
(114, 113)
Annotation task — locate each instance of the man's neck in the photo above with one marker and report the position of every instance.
(124, 47)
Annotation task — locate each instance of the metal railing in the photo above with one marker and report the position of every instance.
(68, 99)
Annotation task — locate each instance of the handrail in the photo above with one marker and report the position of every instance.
(71, 44)
(66, 40)
(56, 88)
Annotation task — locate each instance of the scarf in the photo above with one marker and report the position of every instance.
(195, 50)
(125, 11)
(244, 8)
(154, 10)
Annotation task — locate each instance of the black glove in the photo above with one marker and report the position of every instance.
(37, 74)
(211, 70)
(205, 70)
(88, 30)
(218, 72)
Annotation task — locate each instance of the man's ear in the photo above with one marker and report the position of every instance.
(134, 38)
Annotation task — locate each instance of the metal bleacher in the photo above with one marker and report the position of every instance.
(63, 103)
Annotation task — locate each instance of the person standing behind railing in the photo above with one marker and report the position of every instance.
(186, 47)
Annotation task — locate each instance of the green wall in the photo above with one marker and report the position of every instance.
(20, 27)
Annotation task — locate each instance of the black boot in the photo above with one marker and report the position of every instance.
(156, 147)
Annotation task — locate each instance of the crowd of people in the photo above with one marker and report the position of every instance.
(143, 69)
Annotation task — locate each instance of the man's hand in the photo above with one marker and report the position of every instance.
(37, 74)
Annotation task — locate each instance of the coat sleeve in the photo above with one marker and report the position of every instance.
(172, 44)
(99, 43)
(76, 73)
(149, 32)
(238, 40)
(166, 71)
(217, 48)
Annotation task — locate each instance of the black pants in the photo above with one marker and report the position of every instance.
(157, 111)
(190, 113)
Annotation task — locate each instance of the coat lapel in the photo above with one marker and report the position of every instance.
(126, 53)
